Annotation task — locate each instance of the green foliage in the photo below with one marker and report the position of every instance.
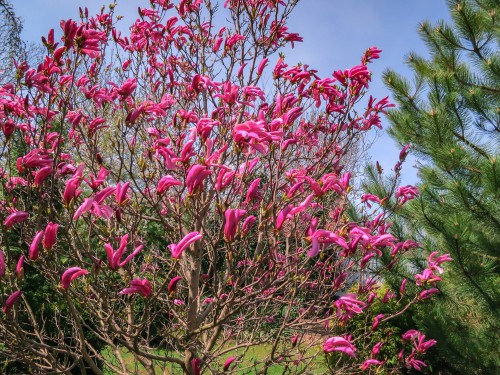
(12, 47)
(450, 115)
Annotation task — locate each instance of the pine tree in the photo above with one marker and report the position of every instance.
(12, 47)
(450, 113)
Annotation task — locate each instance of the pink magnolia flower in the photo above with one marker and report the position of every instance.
(252, 92)
(348, 305)
(15, 217)
(400, 355)
(247, 167)
(95, 208)
(70, 274)
(84, 40)
(95, 182)
(403, 286)
(376, 348)
(165, 183)
(187, 151)
(388, 295)
(371, 298)
(96, 124)
(422, 345)
(217, 44)
(313, 226)
(172, 285)
(71, 191)
(385, 239)
(177, 249)
(376, 321)
(262, 65)
(254, 134)
(406, 193)
(228, 363)
(232, 40)
(412, 362)
(325, 236)
(196, 366)
(247, 224)
(115, 257)
(127, 88)
(419, 341)
(139, 286)
(35, 245)
(201, 83)
(233, 217)
(371, 242)
(50, 234)
(404, 152)
(283, 215)
(427, 277)
(212, 158)
(195, 177)
(339, 344)
(35, 158)
(16, 181)
(369, 198)
(371, 362)
(410, 334)
(230, 93)
(435, 263)
(20, 268)
(302, 206)
(371, 53)
(179, 302)
(224, 178)
(42, 174)
(121, 193)
(11, 300)
(344, 181)
(101, 195)
(253, 191)
(359, 75)
(403, 247)
(205, 126)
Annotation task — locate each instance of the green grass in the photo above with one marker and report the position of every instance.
(249, 363)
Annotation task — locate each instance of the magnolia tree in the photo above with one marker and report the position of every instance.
(173, 197)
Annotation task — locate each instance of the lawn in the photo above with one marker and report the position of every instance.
(250, 363)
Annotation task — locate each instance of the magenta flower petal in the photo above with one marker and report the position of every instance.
(138, 286)
(70, 274)
(177, 249)
(15, 217)
(172, 285)
(35, 245)
(339, 344)
(11, 300)
(49, 239)
(233, 217)
(228, 363)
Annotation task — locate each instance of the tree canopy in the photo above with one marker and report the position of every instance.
(450, 114)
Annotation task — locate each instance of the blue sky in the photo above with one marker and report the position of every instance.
(335, 32)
